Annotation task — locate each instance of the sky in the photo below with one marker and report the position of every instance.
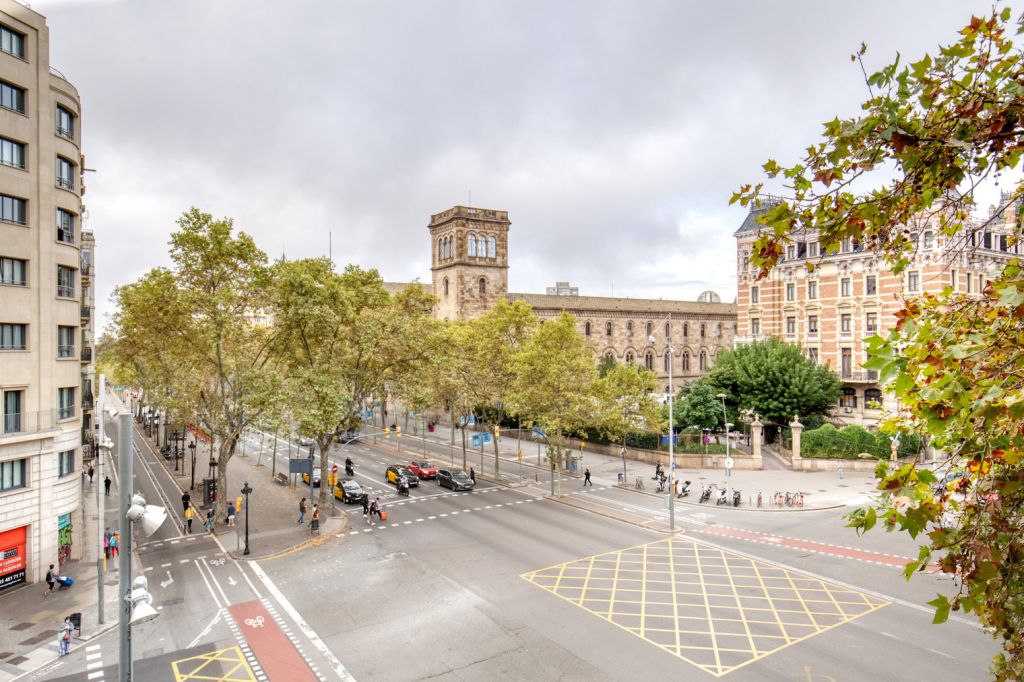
(614, 133)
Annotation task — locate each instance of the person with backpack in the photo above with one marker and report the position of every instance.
(50, 580)
(114, 548)
(231, 513)
(209, 521)
(91, 473)
(190, 514)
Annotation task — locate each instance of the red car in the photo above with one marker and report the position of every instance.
(423, 469)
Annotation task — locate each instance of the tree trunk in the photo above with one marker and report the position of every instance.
(273, 458)
(464, 462)
(497, 459)
(325, 485)
(224, 453)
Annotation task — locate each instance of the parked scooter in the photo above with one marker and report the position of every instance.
(720, 498)
(705, 493)
(736, 498)
(684, 490)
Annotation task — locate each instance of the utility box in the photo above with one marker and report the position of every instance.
(209, 491)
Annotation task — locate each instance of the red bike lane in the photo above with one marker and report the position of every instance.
(276, 654)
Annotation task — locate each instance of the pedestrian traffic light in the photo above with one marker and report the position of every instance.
(398, 431)
(387, 433)
(497, 433)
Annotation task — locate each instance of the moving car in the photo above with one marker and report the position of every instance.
(305, 442)
(396, 471)
(423, 469)
(348, 491)
(316, 477)
(456, 480)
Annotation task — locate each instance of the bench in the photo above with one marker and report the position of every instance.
(281, 479)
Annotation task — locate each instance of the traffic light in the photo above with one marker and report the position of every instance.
(497, 433)
(398, 431)
(387, 433)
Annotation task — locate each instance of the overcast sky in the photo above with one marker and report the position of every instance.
(612, 132)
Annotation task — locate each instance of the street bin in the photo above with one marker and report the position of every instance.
(76, 621)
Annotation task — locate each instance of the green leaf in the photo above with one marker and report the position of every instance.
(942, 606)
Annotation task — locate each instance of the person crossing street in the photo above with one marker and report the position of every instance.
(586, 479)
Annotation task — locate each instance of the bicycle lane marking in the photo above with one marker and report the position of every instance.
(809, 545)
(277, 655)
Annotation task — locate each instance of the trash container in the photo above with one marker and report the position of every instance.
(209, 491)
(76, 621)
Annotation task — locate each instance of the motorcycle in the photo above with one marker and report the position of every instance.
(403, 487)
(349, 470)
(705, 493)
(736, 498)
(684, 490)
(661, 484)
(720, 498)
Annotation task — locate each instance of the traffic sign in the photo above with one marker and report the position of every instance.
(334, 469)
(729, 462)
(520, 454)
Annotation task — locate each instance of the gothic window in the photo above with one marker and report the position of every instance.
(703, 361)
(649, 360)
(686, 361)
(686, 329)
(440, 249)
(629, 328)
(629, 358)
(448, 250)
(492, 248)
(702, 334)
(668, 331)
(446, 287)
(719, 330)
(483, 286)
(586, 328)
(607, 328)
(470, 246)
(668, 361)
(650, 329)
(481, 246)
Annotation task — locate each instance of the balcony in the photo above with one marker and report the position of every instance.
(27, 423)
(64, 291)
(65, 412)
(86, 312)
(86, 353)
(86, 269)
(87, 401)
(65, 351)
(739, 340)
(860, 377)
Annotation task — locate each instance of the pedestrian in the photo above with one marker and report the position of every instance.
(366, 507)
(209, 521)
(50, 574)
(231, 513)
(376, 509)
(842, 469)
(115, 546)
(472, 475)
(107, 535)
(314, 519)
(186, 501)
(64, 637)
(190, 514)
(106, 486)
(586, 478)
(91, 472)
(106, 547)
(302, 510)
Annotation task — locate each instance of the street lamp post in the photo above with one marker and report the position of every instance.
(728, 469)
(245, 491)
(671, 439)
(192, 447)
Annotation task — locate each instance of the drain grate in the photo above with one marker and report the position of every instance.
(18, 660)
(22, 626)
(38, 639)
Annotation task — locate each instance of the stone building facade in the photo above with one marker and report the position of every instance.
(852, 295)
(469, 270)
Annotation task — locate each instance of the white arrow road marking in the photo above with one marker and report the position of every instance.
(165, 583)
(231, 581)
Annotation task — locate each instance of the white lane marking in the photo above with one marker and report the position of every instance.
(170, 579)
(311, 635)
(96, 675)
(206, 631)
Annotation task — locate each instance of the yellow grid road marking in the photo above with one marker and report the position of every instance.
(714, 609)
(223, 665)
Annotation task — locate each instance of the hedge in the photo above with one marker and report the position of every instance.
(828, 442)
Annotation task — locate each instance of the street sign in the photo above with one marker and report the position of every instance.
(729, 462)
(300, 465)
(520, 454)
(674, 437)
(334, 469)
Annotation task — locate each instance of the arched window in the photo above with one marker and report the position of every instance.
(586, 328)
(470, 246)
(607, 328)
(449, 251)
(686, 329)
(440, 249)
(668, 361)
(610, 354)
(719, 330)
(629, 328)
(872, 395)
(492, 248)
(483, 286)
(649, 360)
(668, 331)
(703, 361)
(702, 334)
(629, 358)
(481, 246)
(686, 361)
(650, 329)
(446, 287)
(849, 397)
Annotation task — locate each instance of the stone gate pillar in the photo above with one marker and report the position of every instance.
(797, 429)
(756, 435)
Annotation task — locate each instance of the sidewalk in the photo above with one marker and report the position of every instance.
(273, 508)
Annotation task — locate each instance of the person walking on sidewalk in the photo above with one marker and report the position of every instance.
(107, 535)
(115, 548)
(106, 486)
(231, 513)
(314, 520)
(64, 637)
(209, 521)
(472, 475)
(190, 514)
(186, 501)
(586, 479)
(91, 472)
(366, 507)
(842, 469)
(49, 580)
(302, 510)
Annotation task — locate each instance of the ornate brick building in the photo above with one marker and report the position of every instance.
(470, 275)
(851, 295)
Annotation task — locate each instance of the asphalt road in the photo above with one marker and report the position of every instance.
(504, 584)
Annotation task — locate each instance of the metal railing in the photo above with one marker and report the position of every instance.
(65, 183)
(65, 235)
(66, 133)
(86, 353)
(860, 375)
(65, 291)
(21, 423)
(66, 412)
(65, 351)
(86, 312)
(86, 268)
(87, 401)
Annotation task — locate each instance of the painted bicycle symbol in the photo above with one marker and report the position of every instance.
(256, 622)
(217, 562)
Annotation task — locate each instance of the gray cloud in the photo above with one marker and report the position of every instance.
(613, 132)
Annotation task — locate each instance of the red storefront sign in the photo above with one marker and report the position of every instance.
(12, 557)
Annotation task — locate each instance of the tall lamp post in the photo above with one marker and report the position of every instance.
(192, 447)
(671, 438)
(245, 491)
(728, 469)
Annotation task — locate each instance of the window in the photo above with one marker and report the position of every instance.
(481, 246)
(440, 249)
(668, 331)
(471, 246)
(719, 330)
(812, 290)
(847, 245)
(12, 336)
(12, 271)
(686, 361)
(755, 326)
(12, 209)
(650, 329)
(668, 361)
(969, 278)
(812, 249)
(928, 241)
(844, 286)
(846, 360)
(702, 330)
(12, 474)
(65, 123)
(686, 329)
(755, 295)
(629, 358)
(12, 153)
(649, 360)
(913, 281)
(812, 355)
(65, 342)
(872, 397)
(790, 291)
(981, 284)
(492, 248)
(482, 285)
(451, 246)
(629, 328)
(65, 281)
(65, 173)
(952, 279)
(65, 403)
(586, 329)
(12, 411)
(12, 42)
(703, 361)
(871, 322)
(849, 397)
(65, 226)
(12, 97)
(845, 325)
(870, 285)
(790, 326)
(791, 252)
(812, 325)
(65, 463)
(446, 287)
(607, 328)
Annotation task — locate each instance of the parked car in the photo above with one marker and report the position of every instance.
(350, 436)
(396, 471)
(423, 469)
(348, 491)
(456, 480)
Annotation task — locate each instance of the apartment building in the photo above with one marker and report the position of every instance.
(43, 303)
(852, 295)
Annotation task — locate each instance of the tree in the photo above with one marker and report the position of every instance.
(929, 136)
(191, 337)
(605, 364)
(699, 406)
(625, 395)
(554, 383)
(773, 379)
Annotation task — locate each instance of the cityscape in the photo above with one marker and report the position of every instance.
(578, 348)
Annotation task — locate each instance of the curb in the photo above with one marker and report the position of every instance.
(81, 641)
(564, 500)
(325, 535)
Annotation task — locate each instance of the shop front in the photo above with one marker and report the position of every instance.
(63, 538)
(12, 557)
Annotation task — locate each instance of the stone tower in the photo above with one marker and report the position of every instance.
(470, 261)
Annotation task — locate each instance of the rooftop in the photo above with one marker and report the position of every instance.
(595, 304)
